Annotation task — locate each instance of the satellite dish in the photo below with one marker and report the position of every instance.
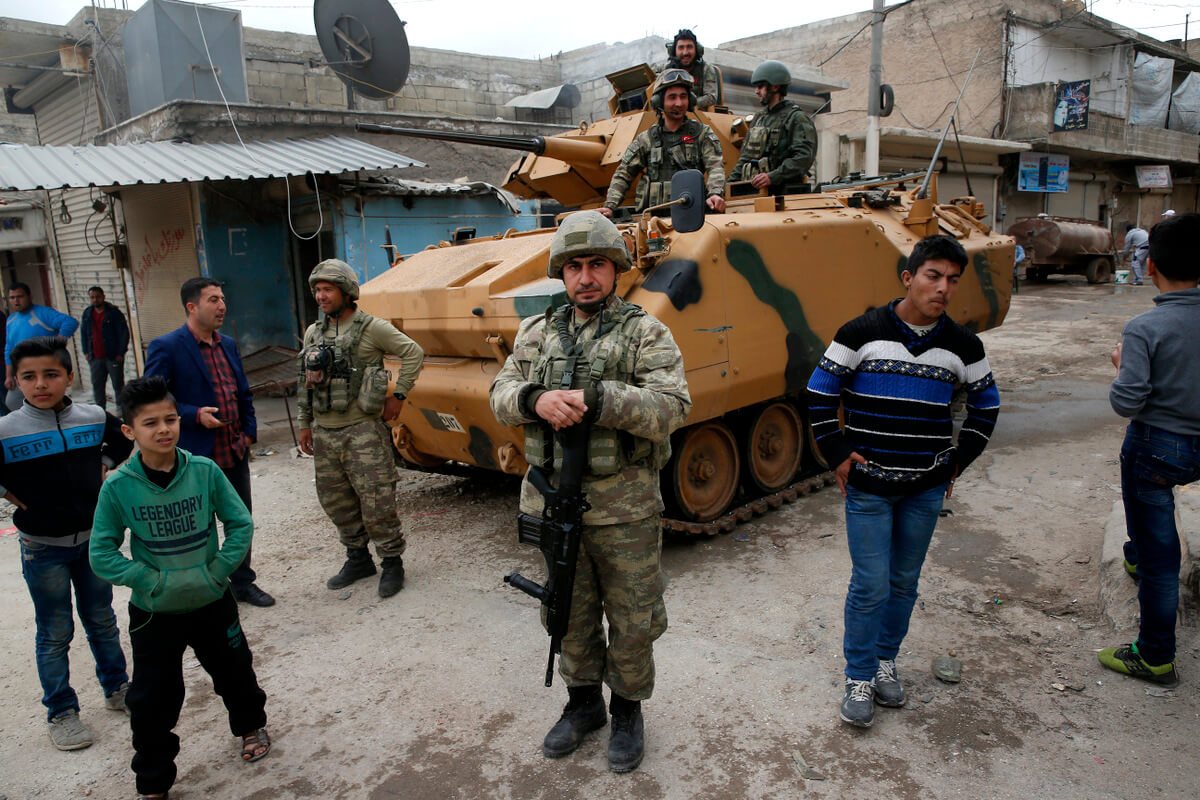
(364, 44)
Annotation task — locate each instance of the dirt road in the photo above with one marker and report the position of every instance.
(437, 693)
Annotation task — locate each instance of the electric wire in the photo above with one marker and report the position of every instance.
(287, 183)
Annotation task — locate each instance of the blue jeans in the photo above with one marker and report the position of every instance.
(1153, 463)
(50, 571)
(888, 539)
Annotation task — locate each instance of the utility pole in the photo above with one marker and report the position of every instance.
(873, 90)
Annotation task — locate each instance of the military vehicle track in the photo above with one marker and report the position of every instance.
(751, 509)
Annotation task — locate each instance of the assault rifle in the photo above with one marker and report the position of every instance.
(557, 534)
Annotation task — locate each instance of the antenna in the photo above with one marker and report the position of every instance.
(364, 44)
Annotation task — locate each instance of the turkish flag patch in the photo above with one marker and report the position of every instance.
(688, 139)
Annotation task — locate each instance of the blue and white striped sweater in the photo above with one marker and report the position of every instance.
(897, 388)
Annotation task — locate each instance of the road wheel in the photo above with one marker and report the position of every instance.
(773, 447)
(1099, 270)
(703, 473)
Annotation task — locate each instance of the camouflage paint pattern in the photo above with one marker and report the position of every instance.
(356, 484)
(618, 575)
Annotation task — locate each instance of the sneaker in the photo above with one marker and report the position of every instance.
(858, 706)
(1132, 569)
(116, 700)
(68, 732)
(1127, 660)
(888, 689)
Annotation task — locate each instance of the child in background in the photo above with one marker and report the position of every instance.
(169, 501)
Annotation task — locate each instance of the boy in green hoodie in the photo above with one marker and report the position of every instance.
(169, 501)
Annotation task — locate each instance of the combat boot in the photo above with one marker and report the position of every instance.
(359, 564)
(627, 742)
(391, 580)
(583, 714)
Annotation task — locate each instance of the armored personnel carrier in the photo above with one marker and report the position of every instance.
(753, 296)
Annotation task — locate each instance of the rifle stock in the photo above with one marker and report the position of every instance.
(557, 535)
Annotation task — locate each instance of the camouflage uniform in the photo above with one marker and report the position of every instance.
(709, 91)
(355, 466)
(782, 143)
(641, 397)
(656, 154)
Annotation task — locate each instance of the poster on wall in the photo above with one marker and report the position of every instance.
(1153, 176)
(1043, 172)
(1071, 106)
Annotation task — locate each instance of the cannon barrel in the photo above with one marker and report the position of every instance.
(574, 150)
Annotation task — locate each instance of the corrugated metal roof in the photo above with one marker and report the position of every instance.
(47, 167)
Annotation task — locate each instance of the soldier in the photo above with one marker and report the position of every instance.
(628, 381)
(782, 142)
(675, 143)
(684, 52)
(344, 391)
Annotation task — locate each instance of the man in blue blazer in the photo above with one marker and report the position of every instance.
(216, 410)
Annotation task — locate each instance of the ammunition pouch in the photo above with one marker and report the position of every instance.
(372, 391)
(335, 376)
(611, 357)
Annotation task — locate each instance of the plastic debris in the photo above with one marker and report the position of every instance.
(947, 669)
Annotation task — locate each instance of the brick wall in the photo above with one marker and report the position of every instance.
(922, 42)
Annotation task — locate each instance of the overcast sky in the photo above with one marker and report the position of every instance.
(527, 29)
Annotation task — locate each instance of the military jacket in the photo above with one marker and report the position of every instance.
(642, 397)
(709, 91)
(656, 154)
(782, 143)
(379, 338)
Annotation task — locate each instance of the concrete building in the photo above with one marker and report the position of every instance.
(1027, 50)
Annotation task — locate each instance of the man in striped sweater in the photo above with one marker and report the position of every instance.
(895, 370)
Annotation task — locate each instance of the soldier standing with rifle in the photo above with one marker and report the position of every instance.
(602, 362)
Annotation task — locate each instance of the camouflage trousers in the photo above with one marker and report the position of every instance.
(356, 484)
(618, 576)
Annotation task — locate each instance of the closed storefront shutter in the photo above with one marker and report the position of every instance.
(162, 253)
(80, 234)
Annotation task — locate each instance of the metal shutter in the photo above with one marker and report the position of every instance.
(70, 117)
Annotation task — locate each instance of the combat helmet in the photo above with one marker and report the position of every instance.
(673, 76)
(337, 272)
(587, 233)
(685, 33)
(772, 73)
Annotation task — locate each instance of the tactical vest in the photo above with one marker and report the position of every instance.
(764, 140)
(566, 363)
(662, 162)
(347, 378)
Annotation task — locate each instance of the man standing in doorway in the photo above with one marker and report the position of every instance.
(25, 321)
(203, 371)
(105, 338)
(1137, 244)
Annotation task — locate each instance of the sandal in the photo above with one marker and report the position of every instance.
(252, 741)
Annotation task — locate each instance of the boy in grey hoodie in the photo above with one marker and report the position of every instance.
(1157, 386)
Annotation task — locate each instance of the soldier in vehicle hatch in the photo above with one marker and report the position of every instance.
(673, 144)
(684, 52)
(782, 142)
(627, 381)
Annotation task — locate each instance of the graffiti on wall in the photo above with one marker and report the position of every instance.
(155, 253)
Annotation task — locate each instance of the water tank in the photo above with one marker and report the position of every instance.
(165, 56)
